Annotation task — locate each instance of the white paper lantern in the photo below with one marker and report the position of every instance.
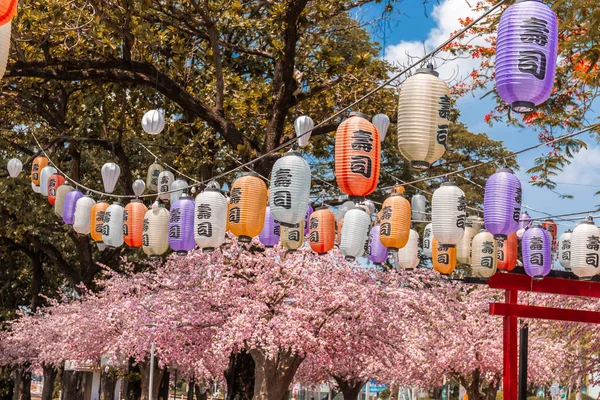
(408, 256)
(428, 241)
(418, 207)
(485, 255)
(154, 171)
(476, 222)
(343, 209)
(110, 176)
(61, 193)
(289, 192)
(83, 209)
(15, 166)
(35, 187)
(210, 219)
(369, 206)
(153, 121)
(180, 186)
(46, 173)
(448, 214)
(138, 187)
(165, 180)
(302, 125)
(155, 236)
(564, 250)
(463, 248)
(355, 233)
(382, 123)
(585, 250)
(4, 46)
(112, 227)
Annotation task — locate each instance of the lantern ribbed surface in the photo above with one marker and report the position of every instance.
(537, 252)
(408, 256)
(418, 205)
(269, 236)
(395, 222)
(8, 9)
(180, 186)
(502, 203)
(524, 220)
(112, 227)
(289, 192)
(153, 122)
(355, 232)
(377, 252)
(61, 195)
(484, 258)
(36, 168)
(133, 223)
(463, 248)
(508, 251)
(110, 176)
(5, 33)
(443, 258)
(97, 220)
(45, 175)
(476, 222)
(357, 156)
(248, 202)
(309, 212)
(71, 199)
(564, 250)
(54, 182)
(154, 171)
(448, 214)
(428, 241)
(526, 51)
(83, 210)
(423, 118)
(181, 225)
(321, 235)
(165, 180)
(585, 250)
(155, 236)
(292, 237)
(210, 219)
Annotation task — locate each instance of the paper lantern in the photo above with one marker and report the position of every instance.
(355, 231)
(448, 214)
(537, 252)
(418, 206)
(369, 206)
(35, 188)
(36, 168)
(357, 156)
(508, 250)
(338, 230)
(343, 209)
(83, 210)
(8, 9)
(210, 219)
(97, 220)
(292, 237)
(248, 204)
(5, 33)
(428, 241)
(502, 203)
(112, 226)
(408, 256)
(133, 223)
(524, 220)
(165, 180)
(395, 222)
(153, 121)
(377, 252)
(289, 192)
(155, 236)
(464, 246)
(181, 225)
(45, 175)
(180, 187)
(564, 250)
(443, 258)
(398, 190)
(484, 259)
(71, 198)
(269, 236)
(110, 176)
(321, 234)
(382, 123)
(139, 186)
(14, 167)
(551, 227)
(526, 50)
(54, 182)
(303, 126)
(585, 250)
(59, 202)
(476, 222)
(423, 118)
(154, 171)
(309, 211)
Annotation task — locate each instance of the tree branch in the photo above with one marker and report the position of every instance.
(315, 90)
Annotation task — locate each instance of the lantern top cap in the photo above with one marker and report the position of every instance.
(323, 207)
(587, 221)
(136, 201)
(449, 184)
(428, 70)
(510, 171)
(361, 115)
(117, 203)
(252, 173)
(212, 189)
(292, 153)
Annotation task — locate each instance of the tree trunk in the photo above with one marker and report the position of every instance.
(108, 381)
(26, 385)
(145, 376)
(73, 387)
(240, 376)
(350, 389)
(163, 387)
(16, 376)
(49, 378)
(274, 376)
(190, 390)
(201, 392)
(394, 390)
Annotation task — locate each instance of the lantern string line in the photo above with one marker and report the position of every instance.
(167, 165)
(589, 212)
(548, 215)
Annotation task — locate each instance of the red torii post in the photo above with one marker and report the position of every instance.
(510, 310)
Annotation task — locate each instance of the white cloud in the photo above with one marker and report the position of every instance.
(583, 169)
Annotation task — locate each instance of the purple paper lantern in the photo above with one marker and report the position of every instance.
(71, 198)
(378, 253)
(306, 218)
(524, 220)
(502, 203)
(269, 236)
(526, 50)
(537, 252)
(181, 225)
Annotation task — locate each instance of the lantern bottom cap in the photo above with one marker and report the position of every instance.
(500, 237)
(538, 277)
(245, 239)
(350, 258)
(208, 249)
(181, 252)
(523, 107)
(420, 165)
(585, 278)
(288, 225)
(322, 254)
(392, 249)
(450, 246)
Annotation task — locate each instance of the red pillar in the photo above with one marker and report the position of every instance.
(511, 369)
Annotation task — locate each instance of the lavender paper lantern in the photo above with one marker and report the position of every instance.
(378, 253)
(526, 50)
(502, 203)
(524, 220)
(270, 234)
(181, 225)
(71, 198)
(537, 252)
(306, 218)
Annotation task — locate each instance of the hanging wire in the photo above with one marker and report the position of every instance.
(167, 165)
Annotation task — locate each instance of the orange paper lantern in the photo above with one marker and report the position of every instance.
(133, 223)
(36, 168)
(247, 207)
(507, 253)
(395, 222)
(444, 258)
(8, 9)
(54, 182)
(551, 227)
(357, 156)
(340, 224)
(398, 190)
(322, 230)
(97, 220)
